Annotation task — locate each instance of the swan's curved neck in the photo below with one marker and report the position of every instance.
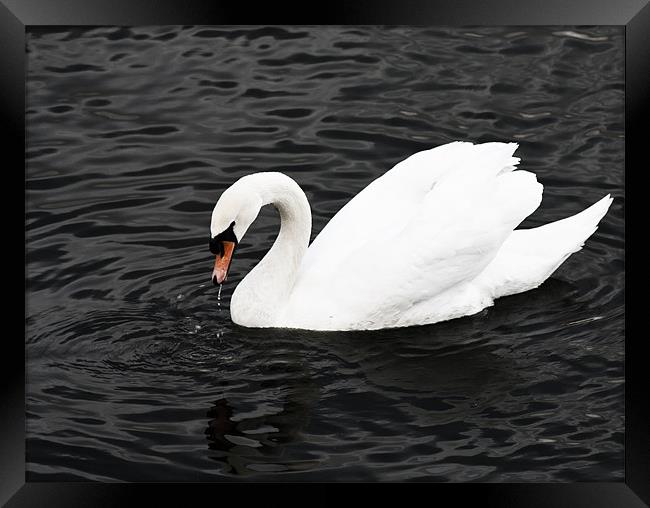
(264, 291)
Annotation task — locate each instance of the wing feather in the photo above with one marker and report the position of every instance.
(435, 220)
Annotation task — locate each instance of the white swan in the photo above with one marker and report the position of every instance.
(430, 240)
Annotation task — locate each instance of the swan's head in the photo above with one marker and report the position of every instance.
(233, 214)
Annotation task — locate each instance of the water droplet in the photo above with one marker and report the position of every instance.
(180, 296)
(219, 296)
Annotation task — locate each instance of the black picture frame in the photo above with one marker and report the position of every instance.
(17, 15)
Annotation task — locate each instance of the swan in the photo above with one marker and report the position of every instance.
(430, 240)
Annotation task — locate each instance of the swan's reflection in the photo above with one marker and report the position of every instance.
(221, 426)
(247, 444)
(421, 378)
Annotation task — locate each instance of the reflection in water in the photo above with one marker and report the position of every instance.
(252, 437)
(248, 443)
(439, 374)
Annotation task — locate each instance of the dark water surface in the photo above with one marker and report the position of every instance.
(135, 373)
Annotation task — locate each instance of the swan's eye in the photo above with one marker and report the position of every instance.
(216, 243)
(216, 247)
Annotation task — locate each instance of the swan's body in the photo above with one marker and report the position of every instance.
(430, 240)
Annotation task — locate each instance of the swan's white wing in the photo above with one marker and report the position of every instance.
(385, 206)
(435, 220)
(529, 256)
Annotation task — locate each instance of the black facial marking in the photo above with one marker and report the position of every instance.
(216, 243)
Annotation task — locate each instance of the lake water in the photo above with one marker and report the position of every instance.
(135, 373)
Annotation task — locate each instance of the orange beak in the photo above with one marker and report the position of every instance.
(222, 263)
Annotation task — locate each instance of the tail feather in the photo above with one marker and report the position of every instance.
(529, 256)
